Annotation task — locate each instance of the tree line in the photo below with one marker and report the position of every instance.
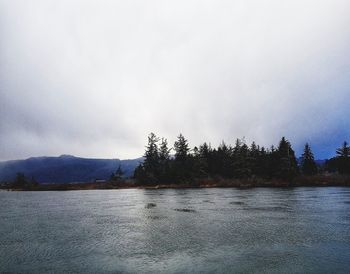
(181, 164)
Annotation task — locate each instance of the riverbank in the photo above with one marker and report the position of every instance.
(302, 181)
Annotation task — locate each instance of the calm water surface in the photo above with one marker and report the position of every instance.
(261, 230)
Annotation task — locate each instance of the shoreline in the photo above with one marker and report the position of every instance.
(312, 181)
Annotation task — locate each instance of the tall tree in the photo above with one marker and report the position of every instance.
(344, 150)
(254, 159)
(148, 171)
(240, 158)
(118, 174)
(151, 154)
(308, 164)
(288, 165)
(181, 148)
(224, 160)
(205, 159)
(183, 165)
(262, 166)
(164, 151)
(20, 181)
(164, 161)
(341, 163)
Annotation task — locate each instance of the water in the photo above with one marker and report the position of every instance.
(261, 230)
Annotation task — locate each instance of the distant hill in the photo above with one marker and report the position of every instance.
(65, 168)
(318, 162)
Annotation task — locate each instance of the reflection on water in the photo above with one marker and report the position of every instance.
(257, 230)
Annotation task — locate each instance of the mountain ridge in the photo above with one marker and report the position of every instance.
(66, 168)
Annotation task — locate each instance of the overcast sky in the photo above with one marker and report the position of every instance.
(94, 78)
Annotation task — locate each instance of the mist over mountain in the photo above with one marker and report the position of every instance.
(65, 168)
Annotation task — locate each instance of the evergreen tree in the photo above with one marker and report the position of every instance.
(183, 165)
(288, 166)
(20, 181)
(205, 159)
(240, 161)
(151, 154)
(344, 150)
(139, 174)
(236, 158)
(119, 173)
(240, 158)
(196, 152)
(148, 171)
(224, 160)
(341, 163)
(262, 163)
(308, 164)
(254, 159)
(272, 162)
(164, 162)
(164, 151)
(181, 149)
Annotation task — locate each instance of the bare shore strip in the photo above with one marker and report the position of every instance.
(311, 181)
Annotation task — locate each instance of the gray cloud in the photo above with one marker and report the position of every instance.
(93, 78)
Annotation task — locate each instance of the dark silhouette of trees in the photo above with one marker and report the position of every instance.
(22, 182)
(148, 172)
(240, 160)
(181, 149)
(118, 174)
(183, 162)
(308, 164)
(343, 151)
(151, 155)
(229, 162)
(287, 165)
(164, 162)
(340, 163)
(223, 161)
(205, 160)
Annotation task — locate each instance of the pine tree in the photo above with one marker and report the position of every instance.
(181, 148)
(273, 162)
(344, 151)
(151, 153)
(288, 166)
(308, 164)
(119, 173)
(262, 166)
(164, 161)
(199, 164)
(20, 181)
(183, 164)
(205, 159)
(240, 158)
(342, 162)
(148, 171)
(164, 151)
(224, 160)
(253, 159)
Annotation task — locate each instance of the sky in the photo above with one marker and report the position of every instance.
(94, 78)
